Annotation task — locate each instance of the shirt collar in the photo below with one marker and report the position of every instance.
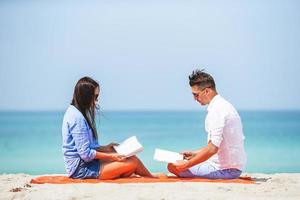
(213, 102)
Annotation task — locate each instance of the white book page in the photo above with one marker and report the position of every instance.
(129, 147)
(167, 156)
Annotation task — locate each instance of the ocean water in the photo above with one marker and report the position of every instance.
(30, 142)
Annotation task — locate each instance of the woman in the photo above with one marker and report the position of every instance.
(83, 156)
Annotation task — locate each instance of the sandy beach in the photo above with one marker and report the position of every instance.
(269, 186)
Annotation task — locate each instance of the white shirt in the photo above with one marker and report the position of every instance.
(224, 129)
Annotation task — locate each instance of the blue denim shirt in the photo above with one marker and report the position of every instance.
(77, 140)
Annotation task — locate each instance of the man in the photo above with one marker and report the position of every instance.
(224, 156)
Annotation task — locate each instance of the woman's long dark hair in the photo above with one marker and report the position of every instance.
(83, 100)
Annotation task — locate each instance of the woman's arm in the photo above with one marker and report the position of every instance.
(79, 130)
(107, 148)
(110, 156)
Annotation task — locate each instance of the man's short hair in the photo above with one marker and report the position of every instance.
(202, 79)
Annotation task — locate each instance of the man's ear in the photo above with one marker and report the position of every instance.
(207, 91)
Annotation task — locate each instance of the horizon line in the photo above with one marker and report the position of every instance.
(151, 110)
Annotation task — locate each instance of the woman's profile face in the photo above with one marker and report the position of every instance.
(96, 95)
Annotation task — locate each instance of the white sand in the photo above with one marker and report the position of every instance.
(270, 186)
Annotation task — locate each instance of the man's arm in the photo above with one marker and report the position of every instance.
(201, 155)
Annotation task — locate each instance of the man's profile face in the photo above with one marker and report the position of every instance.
(200, 95)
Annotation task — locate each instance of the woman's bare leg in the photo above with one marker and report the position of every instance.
(132, 165)
(112, 170)
(141, 169)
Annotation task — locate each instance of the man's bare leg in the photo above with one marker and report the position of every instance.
(173, 169)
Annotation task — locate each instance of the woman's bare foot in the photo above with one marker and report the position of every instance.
(135, 176)
(159, 175)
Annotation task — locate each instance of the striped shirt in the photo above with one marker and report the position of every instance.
(77, 140)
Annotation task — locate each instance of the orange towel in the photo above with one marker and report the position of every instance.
(66, 180)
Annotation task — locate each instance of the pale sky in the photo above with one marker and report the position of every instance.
(142, 52)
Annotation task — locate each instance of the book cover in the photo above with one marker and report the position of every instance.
(167, 156)
(129, 147)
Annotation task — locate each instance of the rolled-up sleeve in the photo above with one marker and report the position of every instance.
(215, 128)
(80, 132)
(216, 137)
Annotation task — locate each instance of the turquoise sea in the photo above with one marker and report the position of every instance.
(30, 142)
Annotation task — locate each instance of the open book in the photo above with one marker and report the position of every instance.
(167, 156)
(129, 147)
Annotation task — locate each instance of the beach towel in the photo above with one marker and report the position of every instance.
(166, 179)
